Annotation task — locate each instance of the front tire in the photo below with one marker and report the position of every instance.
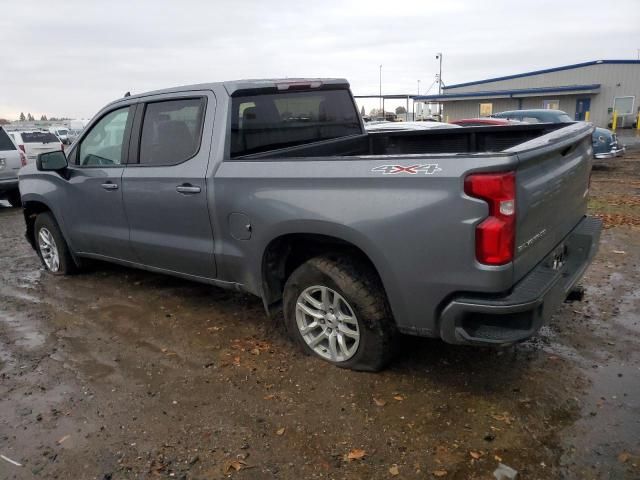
(51, 245)
(335, 308)
(14, 199)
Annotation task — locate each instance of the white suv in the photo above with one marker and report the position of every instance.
(34, 142)
(11, 160)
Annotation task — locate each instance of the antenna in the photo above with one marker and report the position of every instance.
(128, 94)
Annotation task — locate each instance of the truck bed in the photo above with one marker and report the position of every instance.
(412, 142)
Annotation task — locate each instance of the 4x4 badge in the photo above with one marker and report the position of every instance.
(426, 169)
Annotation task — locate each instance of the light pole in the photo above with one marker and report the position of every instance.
(439, 57)
(418, 87)
(381, 91)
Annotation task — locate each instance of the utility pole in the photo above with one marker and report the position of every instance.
(418, 87)
(381, 91)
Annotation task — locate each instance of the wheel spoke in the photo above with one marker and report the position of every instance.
(325, 298)
(317, 304)
(321, 336)
(306, 309)
(309, 327)
(343, 344)
(332, 346)
(348, 332)
(347, 319)
(44, 238)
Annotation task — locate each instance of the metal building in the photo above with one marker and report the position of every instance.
(599, 88)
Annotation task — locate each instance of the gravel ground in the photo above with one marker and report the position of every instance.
(117, 373)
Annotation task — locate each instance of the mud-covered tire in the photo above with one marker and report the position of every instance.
(14, 199)
(360, 286)
(44, 224)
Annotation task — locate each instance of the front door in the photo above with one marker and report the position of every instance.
(93, 209)
(583, 105)
(164, 184)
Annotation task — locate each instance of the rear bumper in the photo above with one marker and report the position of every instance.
(502, 320)
(613, 153)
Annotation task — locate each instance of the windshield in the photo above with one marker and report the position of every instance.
(260, 123)
(62, 132)
(39, 137)
(564, 118)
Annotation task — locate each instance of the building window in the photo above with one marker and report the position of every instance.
(551, 104)
(486, 109)
(623, 105)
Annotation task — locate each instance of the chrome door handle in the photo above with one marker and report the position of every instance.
(187, 188)
(109, 186)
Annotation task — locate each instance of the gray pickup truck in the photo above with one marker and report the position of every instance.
(273, 187)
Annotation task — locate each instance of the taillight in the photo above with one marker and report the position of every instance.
(23, 159)
(21, 147)
(495, 236)
(62, 146)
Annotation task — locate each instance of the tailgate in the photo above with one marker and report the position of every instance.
(552, 181)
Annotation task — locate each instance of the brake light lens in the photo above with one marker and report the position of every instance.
(62, 146)
(23, 159)
(21, 147)
(298, 85)
(495, 236)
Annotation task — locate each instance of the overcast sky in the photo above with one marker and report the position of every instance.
(69, 58)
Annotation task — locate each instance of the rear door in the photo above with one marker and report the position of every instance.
(164, 184)
(93, 211)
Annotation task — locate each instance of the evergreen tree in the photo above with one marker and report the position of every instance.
(22, 117)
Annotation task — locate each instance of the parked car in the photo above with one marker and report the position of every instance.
(73, 135)
(605, 142)
(34, 142)
(11, 160)
(485, 122)
(274, 187)
(384, 126)
(62, 133)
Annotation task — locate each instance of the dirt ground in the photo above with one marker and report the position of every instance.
(117, 373)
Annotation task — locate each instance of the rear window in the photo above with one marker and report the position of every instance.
(260, 123)
(5, 142)
(62, 132)
(39, 137)
(564, 118)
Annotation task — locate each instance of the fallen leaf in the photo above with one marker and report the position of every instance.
(394, 471)
(475, 455)
(378, 402)
(623, 457)
(233, 465)
(280, 431)
(497, 458)
(356, 454)
(255, 351)
(271, 396)
(399, 398)
(236, 361)
(439, 473)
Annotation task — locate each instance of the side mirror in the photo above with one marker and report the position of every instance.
(51, 161)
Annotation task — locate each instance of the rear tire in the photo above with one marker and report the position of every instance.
(51, 245)
(335, 308)
(14, 199)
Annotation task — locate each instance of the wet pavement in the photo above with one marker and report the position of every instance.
(116, 373)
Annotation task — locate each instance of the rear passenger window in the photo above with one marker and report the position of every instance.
(171, 131)
(5, 141)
